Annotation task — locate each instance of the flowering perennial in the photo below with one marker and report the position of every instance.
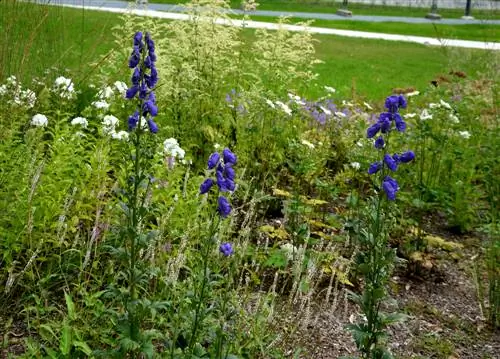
(224, 178)
(144, 79)
(384, 125)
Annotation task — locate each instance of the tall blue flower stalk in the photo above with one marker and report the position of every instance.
(221, 181)
(144, 78)
(375, 258)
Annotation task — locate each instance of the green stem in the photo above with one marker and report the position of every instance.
(206, 249)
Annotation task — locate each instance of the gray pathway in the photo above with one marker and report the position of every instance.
(303, 15)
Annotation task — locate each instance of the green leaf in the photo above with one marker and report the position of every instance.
(83, 347)
(71, 306)
(65, 342)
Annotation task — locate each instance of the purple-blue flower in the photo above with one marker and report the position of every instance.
(131, 92)
(400, 124)
(390, 187)
(390, 162)
(229, 157)
(153, 127)
(133, 120)
(226, 249)
(407, 156)
(379, 142)
(375, 167)
(206, 185)
(213, 160)
(373, 130)
(224, 208)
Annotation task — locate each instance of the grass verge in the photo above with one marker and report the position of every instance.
(330, 7)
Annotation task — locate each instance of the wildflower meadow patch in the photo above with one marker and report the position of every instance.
(186, 197)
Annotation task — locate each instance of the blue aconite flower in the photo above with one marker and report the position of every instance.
(224, 208)
(379, 142)
(224, 178)
(226, 249)
(390, 162)
(390, 187)
(206, 185)
(143, 81)
(229, 157)
(384, 123)
(375, 167)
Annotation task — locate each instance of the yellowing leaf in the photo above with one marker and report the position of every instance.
(341, 276)
(281, 193)
(314, 202)
(438, 242)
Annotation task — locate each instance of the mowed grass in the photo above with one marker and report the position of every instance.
(35, 38)
(331, 6)
(475, 32)
(74, 39)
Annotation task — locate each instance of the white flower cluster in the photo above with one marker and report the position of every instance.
(171, 148)
(109, 124)
(39, 120)
(64, 88)
(107, 93)
(427, 114)
(16, 94)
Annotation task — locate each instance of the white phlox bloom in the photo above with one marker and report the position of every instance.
(425, 115)
(39, 120)
(121, 87)
(454, 119)
(109, 123)
(100, 105)
(355, 165)
(464, 134)
(367, 105)
(29, 98)
(414, 93)
(340, 114)
(121, 135)
(82, 121)
(171, 148)
(65, 86)
(284, 107)
(434, 105)
(106, 92)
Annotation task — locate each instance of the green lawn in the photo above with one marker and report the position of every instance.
(331, 6)
(479, 32)
(72, 39)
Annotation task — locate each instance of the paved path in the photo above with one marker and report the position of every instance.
(274, 26)
(303, 15)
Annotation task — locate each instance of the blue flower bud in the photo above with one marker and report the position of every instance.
(224, 208)
(213, 160)
(406, 157)
(373, 130)
(131, 92)
(153, 127)
(390, 187)
(229, 157)
(133, 120)
(390, 162)
(206, 185)
(375, 167)
(226, 249)
(379, 142)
